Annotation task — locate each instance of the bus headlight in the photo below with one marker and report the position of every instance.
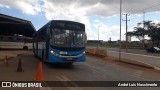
(52, 52)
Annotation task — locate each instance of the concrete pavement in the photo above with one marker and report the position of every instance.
(152, 61)
(138, 57)
(11, 53)
(94, 69)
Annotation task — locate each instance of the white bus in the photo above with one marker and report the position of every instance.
(15, 42)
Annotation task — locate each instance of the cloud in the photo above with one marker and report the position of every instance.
(30, 7)
(105, 7)
(81, 10)
(67, 11)
(86, 7)
(108, 31)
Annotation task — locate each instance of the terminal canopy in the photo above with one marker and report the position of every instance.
(10, 26)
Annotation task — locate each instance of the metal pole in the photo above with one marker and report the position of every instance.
(143, 27)
(126, 20)
(126, 34)
(120, 30)
(98, 37)
(143, 17)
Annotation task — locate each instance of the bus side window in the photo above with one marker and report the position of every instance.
(18, 39)
(24, 41)
(1, 38)
(48, 33)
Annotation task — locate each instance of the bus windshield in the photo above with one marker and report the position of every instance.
(67, 38)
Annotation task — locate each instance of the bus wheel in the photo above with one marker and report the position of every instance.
(44, 57)
(25, 48)
(35, 55)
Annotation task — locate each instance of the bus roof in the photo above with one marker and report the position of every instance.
(66, 21)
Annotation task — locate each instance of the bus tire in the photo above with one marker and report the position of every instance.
(44, 57)
(35, 55)
(25, 48)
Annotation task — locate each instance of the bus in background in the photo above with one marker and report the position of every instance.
(60, 41)
(15, 42)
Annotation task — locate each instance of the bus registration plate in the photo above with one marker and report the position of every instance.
(69, 58)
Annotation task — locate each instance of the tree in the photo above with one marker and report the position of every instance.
(139, 33)
(154, 34)
(149, 29)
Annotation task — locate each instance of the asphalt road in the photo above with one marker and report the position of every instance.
(94, 69)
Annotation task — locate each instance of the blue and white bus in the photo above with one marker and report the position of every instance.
(60, 41)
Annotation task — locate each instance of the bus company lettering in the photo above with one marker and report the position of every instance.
(14, 84)
(34, 85)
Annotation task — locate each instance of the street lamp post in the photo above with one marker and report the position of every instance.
(126, 20)
(120, 30)
(98, 37)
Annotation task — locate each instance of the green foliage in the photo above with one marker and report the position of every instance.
(149, 29)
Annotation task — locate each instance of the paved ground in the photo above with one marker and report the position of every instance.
(94, 69)
(141, 59)
(11, 53)
(135, 56)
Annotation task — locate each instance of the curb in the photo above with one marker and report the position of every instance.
(138, 64)
(96, 52)
(141, 64)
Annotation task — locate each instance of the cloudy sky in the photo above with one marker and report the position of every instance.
(102, 15)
